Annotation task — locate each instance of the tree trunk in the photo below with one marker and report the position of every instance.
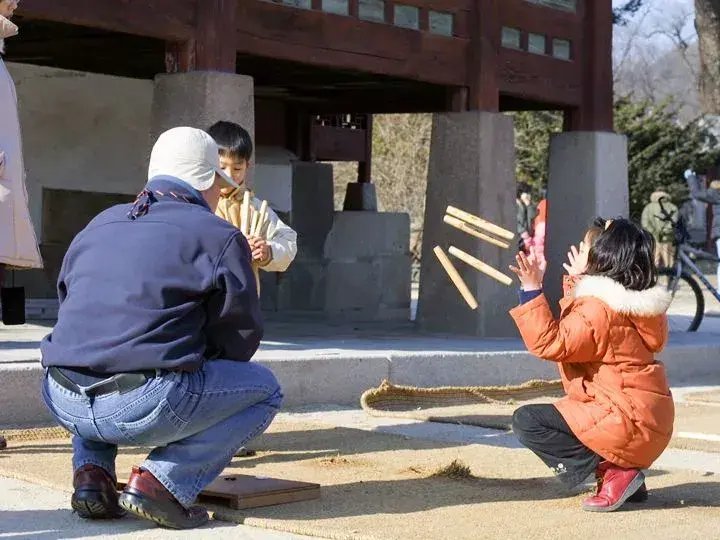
(707, 23)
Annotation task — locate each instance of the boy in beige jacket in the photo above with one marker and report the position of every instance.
(275, 247)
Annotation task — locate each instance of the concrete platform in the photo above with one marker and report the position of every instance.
(335, 364)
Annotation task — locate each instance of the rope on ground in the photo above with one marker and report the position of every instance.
(389, 399)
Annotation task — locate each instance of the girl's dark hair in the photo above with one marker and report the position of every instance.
(624, 253)
(233, 140)
(596, 229)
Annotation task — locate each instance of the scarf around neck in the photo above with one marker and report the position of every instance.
(164, 187)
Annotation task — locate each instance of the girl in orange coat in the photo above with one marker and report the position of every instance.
(617, 417)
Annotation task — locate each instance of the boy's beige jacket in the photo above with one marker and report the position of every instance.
(18, 244)
(281, 238)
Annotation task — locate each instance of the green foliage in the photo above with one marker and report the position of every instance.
(660, 149)
(532, 140)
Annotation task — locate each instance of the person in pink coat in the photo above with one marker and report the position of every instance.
(538, 241)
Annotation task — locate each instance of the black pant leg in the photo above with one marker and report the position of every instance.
(542, 429)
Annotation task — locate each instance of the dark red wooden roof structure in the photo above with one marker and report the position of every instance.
(312, 59)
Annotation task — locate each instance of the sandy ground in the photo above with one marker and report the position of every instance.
(377, 478)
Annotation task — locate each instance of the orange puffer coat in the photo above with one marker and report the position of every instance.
(618, 400)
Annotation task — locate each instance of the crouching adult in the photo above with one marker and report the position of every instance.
(158, 320)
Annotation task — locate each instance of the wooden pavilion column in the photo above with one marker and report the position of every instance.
(596, 111)
(484, 93)
(213, 48)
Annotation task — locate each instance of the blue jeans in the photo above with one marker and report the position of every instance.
(196, 421)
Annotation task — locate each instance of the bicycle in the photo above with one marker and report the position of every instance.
(687, 309)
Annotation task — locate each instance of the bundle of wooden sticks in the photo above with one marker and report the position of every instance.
(474, 226)
(253, 222)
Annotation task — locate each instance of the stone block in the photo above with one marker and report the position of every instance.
(588, 178)
(360, 196)
(368, 267)
(335, 379)
(494, 368)
(199, 99)
(302, 287)
(21, 403)
(312, 206)
(368, 235)
(472, 167)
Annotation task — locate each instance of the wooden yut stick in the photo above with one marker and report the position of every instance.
(480, 266)
(245, 214)
(464, 227)
(454, 276)
(254, 223)
(480, 223)
(257, 231)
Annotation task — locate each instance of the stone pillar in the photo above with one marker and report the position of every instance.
(588, 178)
(199, 99)
(472, 167)
(302, 287)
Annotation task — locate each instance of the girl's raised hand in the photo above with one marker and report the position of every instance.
(529, 271)
(577, 259)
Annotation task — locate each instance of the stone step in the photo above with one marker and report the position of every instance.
(333, 367)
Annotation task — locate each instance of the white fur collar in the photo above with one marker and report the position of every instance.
(646, 303)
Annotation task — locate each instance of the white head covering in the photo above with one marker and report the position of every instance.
(190, 155)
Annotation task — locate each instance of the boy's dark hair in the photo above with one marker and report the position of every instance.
(233, 140)
(624, 253)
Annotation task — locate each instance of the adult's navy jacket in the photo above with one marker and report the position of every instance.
(161, 284)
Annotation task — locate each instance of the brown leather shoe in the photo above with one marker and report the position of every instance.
(95, 496)
(3, 443)
(147, 498)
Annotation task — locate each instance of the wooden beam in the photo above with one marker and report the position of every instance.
(321, 39)
(215, 47)
(337, 144)
(540, 78)
(482, 81)
(172, 20)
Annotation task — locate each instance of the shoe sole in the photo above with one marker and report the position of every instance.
(629, 492)
(135, 505)
(90, 505)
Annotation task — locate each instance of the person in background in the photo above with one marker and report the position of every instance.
(525, 217)
(18, 244)
(539, 228)
(658, 218)
(711, 196)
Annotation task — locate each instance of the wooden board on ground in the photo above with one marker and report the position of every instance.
(240, 491)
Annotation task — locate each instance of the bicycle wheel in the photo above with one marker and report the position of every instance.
(688, 306)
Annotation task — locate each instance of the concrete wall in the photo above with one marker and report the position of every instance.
(82, 132)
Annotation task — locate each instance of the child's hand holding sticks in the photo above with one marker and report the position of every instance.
(530, 271)
(260, 249)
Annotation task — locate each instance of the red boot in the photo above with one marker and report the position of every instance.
(615, 487)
